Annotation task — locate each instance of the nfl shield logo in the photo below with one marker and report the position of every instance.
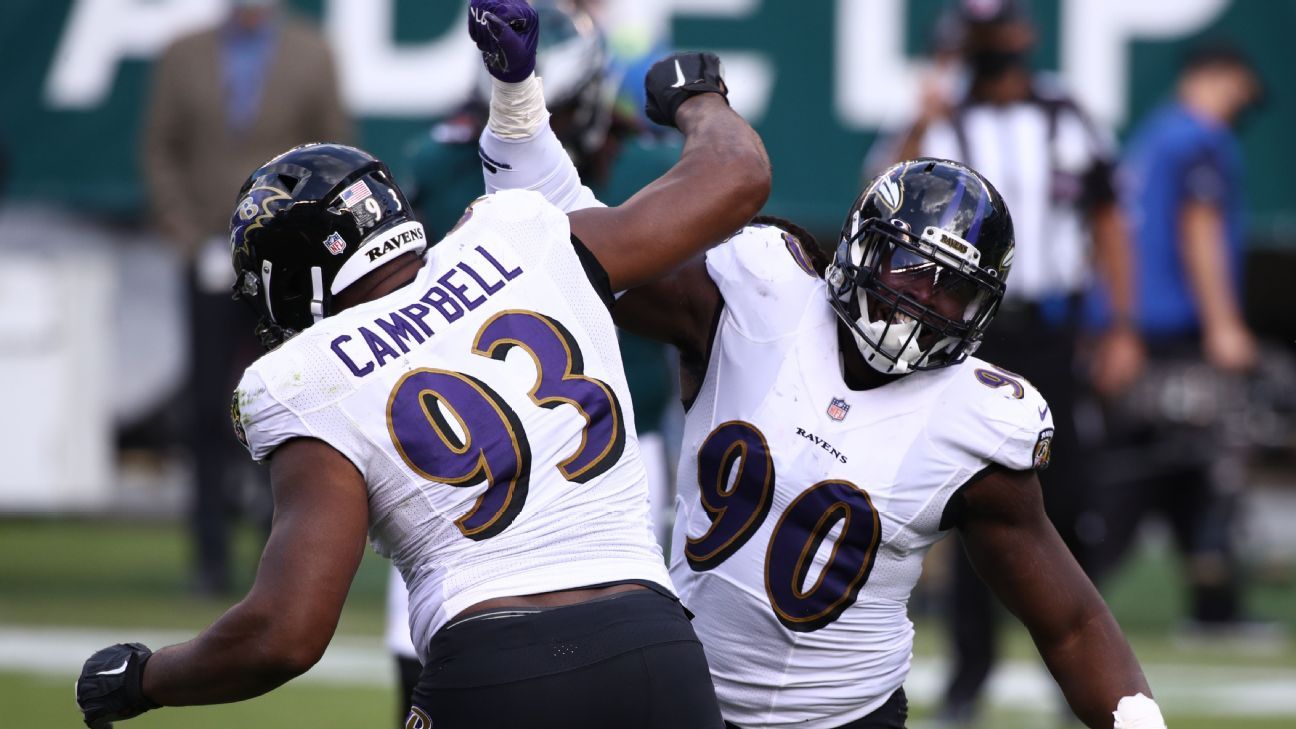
(837, 409)
(335, 244)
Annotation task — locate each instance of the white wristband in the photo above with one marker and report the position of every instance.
(1138, 712)
(517, 109)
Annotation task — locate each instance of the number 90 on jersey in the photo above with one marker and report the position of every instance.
(736, 483)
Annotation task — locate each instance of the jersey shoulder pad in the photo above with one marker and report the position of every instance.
(517, 206)
(761, 252)
(262, 419)
(998, 416)
(765, 276)
(762, 269)
(523, 217)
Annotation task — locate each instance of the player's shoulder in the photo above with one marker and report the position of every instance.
(274, 391)
(511, 207)
(767, 277)
(763, 252)
(995, 414)
(996, 392)
(278, 375)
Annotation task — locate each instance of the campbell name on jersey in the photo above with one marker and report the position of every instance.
(805, 508)
(486, 408)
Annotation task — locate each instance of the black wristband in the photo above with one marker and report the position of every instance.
(677, 78)
(134, 686)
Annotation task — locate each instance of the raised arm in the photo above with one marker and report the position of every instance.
(720, 182)
(1020, 556)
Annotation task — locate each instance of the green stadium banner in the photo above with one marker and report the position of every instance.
(818, 78)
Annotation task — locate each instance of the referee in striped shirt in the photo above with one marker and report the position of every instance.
(1054, 167)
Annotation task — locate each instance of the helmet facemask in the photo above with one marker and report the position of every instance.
(913, 300)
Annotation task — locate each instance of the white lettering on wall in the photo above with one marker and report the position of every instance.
(875, 84)
(1096, 36)
(100, 34)
(749, 74)
(382, 78)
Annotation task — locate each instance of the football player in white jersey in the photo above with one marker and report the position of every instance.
(838, 426)
(464, 404)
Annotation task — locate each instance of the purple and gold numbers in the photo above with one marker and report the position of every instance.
(452, 428)
(560, 380)
(797, 538)
(999, 378)
(736, 484)
(485, 444)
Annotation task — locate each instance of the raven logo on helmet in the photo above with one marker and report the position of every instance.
(254, 210)
(891, 192)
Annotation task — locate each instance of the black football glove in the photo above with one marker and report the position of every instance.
(677, 77)
(111, 685)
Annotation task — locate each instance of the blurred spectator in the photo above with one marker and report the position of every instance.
(1171, 448)
(223, 101)
(615, 158)
(1054, 168)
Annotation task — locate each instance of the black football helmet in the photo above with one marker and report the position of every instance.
(921, 266)
(309, 223)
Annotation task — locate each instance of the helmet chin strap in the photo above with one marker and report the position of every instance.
(317, 293)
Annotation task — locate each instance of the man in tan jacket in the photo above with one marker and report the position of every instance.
(225, 100)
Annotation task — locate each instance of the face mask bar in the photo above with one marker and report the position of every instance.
(873, 296)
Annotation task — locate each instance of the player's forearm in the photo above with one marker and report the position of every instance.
(721, 147)
(521, 151)
(1093, 665)
(242, 655)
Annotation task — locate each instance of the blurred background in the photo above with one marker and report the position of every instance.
(128, 512)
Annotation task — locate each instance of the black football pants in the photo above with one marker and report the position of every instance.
(630, 661)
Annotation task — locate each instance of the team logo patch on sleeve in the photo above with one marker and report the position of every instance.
(236, 420)
(1043, 450)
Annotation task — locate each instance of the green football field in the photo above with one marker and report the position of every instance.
(66, 584)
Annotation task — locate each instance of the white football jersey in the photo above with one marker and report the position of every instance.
(486, 407)
(805, 508)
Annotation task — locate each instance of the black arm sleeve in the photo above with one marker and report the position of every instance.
(594, 270)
